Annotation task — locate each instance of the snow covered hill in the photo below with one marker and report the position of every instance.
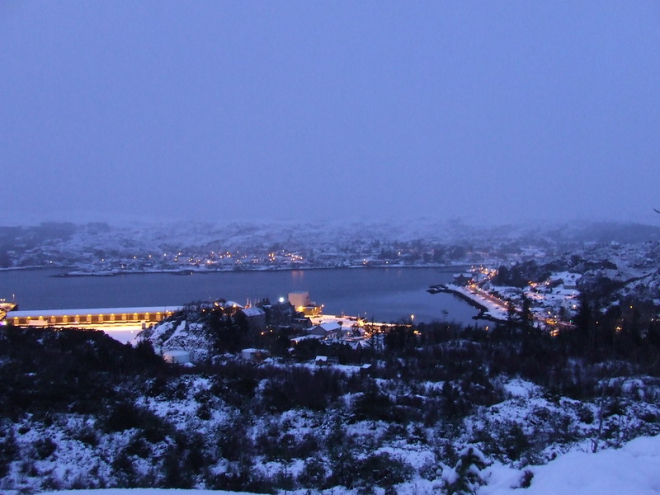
(449, 411)
(631, 470)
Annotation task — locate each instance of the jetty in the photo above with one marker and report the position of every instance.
(87, 317)
(490, 308)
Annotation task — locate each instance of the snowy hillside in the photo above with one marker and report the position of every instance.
(632, 470)
(431, 409)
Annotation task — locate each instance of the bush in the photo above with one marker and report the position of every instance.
(87, 435)
(138, 447)
(44, 448)
(242, 481)
(125, 415)
(373, 405)
(384, 470)
(8, 452)
(313, 474)
(233, 441)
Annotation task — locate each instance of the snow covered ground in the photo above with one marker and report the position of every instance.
(494, 307)
(145, 491)
(631, 470)
(123, 334)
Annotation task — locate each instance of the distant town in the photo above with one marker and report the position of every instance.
(101, 249)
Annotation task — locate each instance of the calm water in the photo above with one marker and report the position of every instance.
(387, 294)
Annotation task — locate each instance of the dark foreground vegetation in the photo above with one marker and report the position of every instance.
(79, 410)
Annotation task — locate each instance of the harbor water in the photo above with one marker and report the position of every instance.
(384, 294)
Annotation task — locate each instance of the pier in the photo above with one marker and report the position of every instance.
(96, 318)
(490, 308)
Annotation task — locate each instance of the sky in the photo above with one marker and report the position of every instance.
(486, 112)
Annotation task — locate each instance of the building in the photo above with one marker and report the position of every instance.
(302, 304)
(97, 317)
(329, 330)
(254, 355)
(463, 278)
(255, 318)
(571, 280)
(299, 299)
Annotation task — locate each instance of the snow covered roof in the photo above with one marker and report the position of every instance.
(232, 304)
(252, 350)
(250, 312)
(297, 340)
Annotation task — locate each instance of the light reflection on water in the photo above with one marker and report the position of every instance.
(384, 294)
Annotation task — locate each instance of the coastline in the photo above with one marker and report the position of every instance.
(205, 271)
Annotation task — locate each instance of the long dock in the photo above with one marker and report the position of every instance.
(478, 301)
(97, 317)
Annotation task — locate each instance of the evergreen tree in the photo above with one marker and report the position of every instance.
(465, 478)
(526, 316)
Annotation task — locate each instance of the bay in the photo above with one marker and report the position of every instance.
(382, 294)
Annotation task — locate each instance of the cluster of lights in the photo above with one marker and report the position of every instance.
(212, 257)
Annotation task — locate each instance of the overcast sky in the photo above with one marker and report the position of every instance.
(312, 110)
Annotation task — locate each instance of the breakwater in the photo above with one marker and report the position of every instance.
(483, 310)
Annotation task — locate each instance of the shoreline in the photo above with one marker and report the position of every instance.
(376, 290)
(187, 272)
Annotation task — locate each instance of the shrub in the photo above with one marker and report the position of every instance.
(384, 470)
(313, 474)
(373, 405)
(87, 435)
(466, 476)
(8, 452)
(138, 447)
(44, 448)
(126, 415)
